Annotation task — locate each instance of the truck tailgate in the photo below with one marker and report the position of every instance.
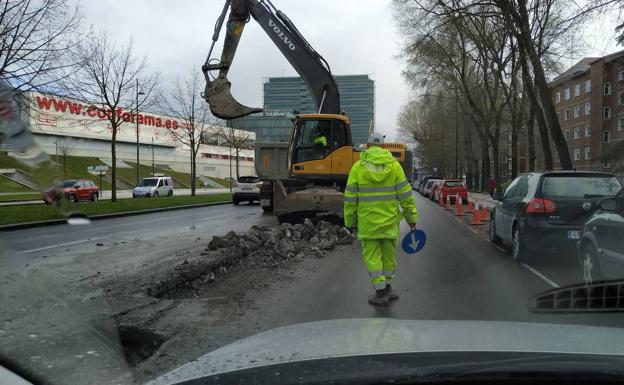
(272, 160)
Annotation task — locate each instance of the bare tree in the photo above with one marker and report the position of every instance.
(236, 140)
(35, 36)
(186, 104)
(65, 149)
(107, 77)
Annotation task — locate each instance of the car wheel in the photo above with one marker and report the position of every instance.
(72, 198)
(518, 249)
(155, 195)
(235, 201)
(590, 266)
(495, 239)
(95, 197)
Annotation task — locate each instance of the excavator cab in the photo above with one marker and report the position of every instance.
(321, 148)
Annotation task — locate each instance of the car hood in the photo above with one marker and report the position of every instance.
(361, 337)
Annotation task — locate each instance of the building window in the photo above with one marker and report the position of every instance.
(606, 164)
(557, 159)
(566, 114)
(606, 112)
(566, 94)
(577, 112)
(577, 154)
(607, 88)
(621, 74)
(621, 99)
(606, 136)
(558, 97)
(559, 116)
(587, 86)
(577, 89)
(587, 153)
(587, 108)
(621, 124)
(577, 132)
(587, 131)
(504, 173)
(566, 133)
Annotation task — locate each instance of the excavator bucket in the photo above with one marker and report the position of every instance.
(222, 103)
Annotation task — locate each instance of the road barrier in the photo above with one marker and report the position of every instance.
(470, 208)
(484, 214)
(448, 202)
(459, 207)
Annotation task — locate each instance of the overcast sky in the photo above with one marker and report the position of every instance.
(355, 36)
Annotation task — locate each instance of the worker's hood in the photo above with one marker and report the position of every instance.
(377, 161)
(335, 339)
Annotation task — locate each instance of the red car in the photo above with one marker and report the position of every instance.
(74, 190)
(453, 188)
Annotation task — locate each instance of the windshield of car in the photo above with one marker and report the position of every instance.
(148, 182)
(580, 186)
(66, 183)
(228, 190)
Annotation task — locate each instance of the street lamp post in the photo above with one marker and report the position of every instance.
(137, 130)
(153, 172)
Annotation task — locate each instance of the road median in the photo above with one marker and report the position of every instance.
(22, 217)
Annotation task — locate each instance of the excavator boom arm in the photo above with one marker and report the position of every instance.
(311, 66)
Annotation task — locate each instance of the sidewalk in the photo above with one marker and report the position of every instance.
(483, 200)
(125, 194)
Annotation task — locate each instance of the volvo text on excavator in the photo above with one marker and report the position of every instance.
(311, 177)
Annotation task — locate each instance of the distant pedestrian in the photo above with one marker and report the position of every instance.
(377, 197)
(491, 186)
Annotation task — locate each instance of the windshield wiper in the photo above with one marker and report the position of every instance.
(597, 297)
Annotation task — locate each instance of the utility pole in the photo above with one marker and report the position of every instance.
(137, 130)
(456, 162)
(153, 169)
(230, 147)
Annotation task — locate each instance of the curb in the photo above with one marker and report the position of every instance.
(52, 222)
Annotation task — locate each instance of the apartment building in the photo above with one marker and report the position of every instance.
(589, 99)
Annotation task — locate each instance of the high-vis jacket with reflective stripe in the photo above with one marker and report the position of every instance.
(378, 196)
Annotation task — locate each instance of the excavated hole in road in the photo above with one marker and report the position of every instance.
(139, 344)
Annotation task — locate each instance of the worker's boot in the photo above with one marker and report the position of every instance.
(378, 298)
(391, 294)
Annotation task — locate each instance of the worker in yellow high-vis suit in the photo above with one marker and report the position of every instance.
(377, 197)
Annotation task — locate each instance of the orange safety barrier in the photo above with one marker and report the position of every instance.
(476, 217)
(484, 214)
(470, 208)
(448, 202)
(459, 207)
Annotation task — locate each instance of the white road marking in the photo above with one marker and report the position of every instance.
(59, 245)
(542, 276)
(497, 246)
(473, 230)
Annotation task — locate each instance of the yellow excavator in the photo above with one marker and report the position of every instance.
(308, 175)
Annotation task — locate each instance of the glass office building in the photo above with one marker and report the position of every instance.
(285, 96)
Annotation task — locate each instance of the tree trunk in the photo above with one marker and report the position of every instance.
(469, 158)
(525, 40)
(114, 165)
(485, 161)
(237, 160)
(193, 168)
(514, 153)
(65, 166)
(531, 138)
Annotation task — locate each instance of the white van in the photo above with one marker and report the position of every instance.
(154, 187)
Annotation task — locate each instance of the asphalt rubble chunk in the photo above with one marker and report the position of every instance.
(261, 246)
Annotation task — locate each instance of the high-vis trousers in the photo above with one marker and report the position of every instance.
(380, 259)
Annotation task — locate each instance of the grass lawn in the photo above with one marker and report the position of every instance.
(222, 182)
(20, 197)
(19, 214)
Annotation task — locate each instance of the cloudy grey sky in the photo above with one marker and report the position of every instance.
(355, 36)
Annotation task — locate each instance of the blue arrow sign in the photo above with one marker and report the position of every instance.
(414, 241)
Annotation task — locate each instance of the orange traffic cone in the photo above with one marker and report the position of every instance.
(459, 207)
(470, 208)
(484, 214)
(476, 217)
(440, 200)
(448, 202)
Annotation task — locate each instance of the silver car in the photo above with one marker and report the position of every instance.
(154, 187)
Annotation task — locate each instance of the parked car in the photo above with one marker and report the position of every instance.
(246, 188)
(546, 211)
(601, 248)
(453, 188)
(154, 187)
(74, 190)
(427, 188)
(423, 182)
(433, 194)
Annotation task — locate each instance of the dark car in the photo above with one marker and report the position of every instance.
(601, 247)
(74, 190)
(546, 211)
